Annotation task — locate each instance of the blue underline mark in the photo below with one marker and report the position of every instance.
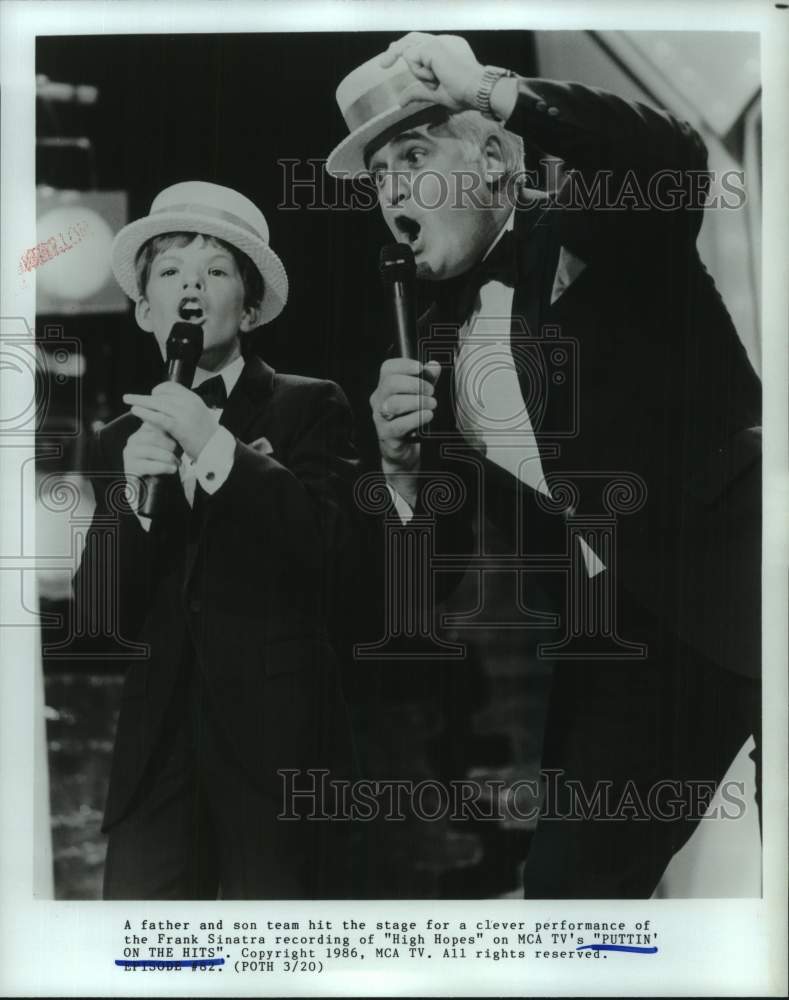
(168, 963)
(618, 947)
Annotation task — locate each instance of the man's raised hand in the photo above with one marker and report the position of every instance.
(447, 69)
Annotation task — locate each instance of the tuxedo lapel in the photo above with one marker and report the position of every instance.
(531, 339)
(242, 415)
(248, 398)
(531, 227)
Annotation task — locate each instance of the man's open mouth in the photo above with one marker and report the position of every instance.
(410, 228)
(191, 310)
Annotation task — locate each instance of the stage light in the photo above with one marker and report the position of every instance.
(71, 260)
(82, 264)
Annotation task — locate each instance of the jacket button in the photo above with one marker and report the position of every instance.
(195, 604)
(542, 106)
(553, 111)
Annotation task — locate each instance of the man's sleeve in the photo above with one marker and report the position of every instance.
(635, 171)
(404, 509)
(592, 129)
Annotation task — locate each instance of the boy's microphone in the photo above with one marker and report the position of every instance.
(184, 347)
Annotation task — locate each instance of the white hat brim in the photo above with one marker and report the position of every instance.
(346, 160)
(128, 241)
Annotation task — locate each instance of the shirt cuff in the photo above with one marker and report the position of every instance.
(213, 464)
(145, 522)
(594, 564)
(403, 508)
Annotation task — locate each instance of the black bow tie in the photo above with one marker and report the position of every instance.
(213, 392)
(456, 297)
(501, 264)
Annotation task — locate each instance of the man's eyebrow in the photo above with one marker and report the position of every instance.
(398, 140)
(406, 136)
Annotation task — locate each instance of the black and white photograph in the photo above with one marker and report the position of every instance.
(394, 474)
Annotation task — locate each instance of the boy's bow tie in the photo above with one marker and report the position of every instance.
(213, 392)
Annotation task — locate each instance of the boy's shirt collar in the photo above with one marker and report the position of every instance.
(230, 374)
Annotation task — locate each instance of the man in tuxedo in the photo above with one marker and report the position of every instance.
(581, 384)
(228, 586)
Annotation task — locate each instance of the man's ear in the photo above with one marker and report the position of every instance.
(493, 158)
(250, 317)
(142, 313)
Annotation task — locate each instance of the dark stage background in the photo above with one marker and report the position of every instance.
(226, 109)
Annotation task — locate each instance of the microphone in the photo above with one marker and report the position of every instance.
(184, 347)
(398, 272)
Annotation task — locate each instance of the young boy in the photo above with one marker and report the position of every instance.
(227, 586)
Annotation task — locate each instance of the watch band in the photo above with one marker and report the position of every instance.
(490, 78)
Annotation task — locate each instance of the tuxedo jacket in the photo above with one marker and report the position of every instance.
(243, 576)
(643, 401)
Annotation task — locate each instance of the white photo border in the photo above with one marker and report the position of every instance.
(708, 947)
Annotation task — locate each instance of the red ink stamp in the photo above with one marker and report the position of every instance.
(53, 247)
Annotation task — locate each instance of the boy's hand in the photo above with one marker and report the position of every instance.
(178, 412)
(149, 452)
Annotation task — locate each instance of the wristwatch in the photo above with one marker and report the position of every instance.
(490, 78)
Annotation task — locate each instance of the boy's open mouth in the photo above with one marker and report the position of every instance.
(191, 310)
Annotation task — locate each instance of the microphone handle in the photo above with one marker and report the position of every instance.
(404, 319)
(182, 372)
(404, 308)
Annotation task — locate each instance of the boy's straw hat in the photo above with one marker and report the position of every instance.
(369, 99)
(200, 207)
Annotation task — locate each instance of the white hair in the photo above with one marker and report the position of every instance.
(474, 130)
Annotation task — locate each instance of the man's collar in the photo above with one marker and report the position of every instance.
(506, 228)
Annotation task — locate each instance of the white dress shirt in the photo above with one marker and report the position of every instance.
(212, 466)
(489, 407)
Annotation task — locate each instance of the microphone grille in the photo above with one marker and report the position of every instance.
(185, 342)
(396, 262)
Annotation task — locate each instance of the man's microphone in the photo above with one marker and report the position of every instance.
(398, 272)
(184, 347)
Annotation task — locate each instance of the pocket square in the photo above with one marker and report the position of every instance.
(567, 270)
(262, 445)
